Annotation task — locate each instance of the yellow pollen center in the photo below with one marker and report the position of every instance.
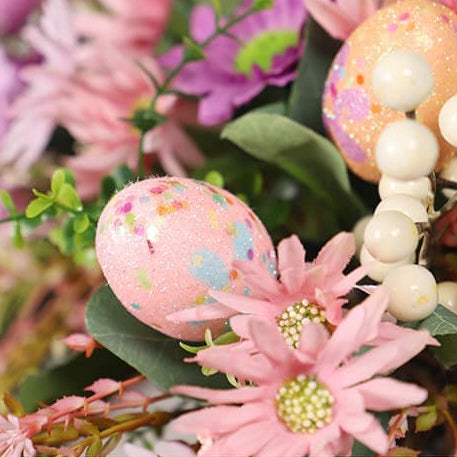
(304, 405)
(295, 316)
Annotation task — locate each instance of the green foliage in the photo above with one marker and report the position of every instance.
(427, 419)
(153, 354)
(8, 203)
(259, 5)
(71, 378)
(307, 156)
(215, 178)
(441, 322)
(305, 102)
(446, 353)
(192, 51)
(61, 196)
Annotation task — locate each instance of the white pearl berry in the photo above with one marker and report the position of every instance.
(358, 230)
(413, 293)
(447, 295)
(402, 80)
(405, 204)
(391, 236)
(447, 120)
(419, 188)
(378, 270)
(406, 149)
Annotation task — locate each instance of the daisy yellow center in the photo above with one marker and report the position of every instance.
(291, 321)
(304, 404)
(261, 50)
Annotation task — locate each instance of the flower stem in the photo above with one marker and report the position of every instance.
(452, 425)
(141, 156)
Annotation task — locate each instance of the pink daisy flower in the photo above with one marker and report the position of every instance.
(304, 291)
(133, 26)
(341, 17)
(314, 400)
(89, 88)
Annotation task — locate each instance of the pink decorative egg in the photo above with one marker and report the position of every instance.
(352, 114)
(163, 243)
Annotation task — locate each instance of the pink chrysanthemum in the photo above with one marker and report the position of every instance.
(133, 26)
(89, 87)
(341, 17)
(310, 401)
(304, 292)
(261, 50)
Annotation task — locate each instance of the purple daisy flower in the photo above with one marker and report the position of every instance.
(262, 50)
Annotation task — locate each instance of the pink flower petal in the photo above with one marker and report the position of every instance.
(291, 263)
(217, 420)
(270, 341)
(245, 441)
(202, 313)
(384, 394)
(104, 386)
(242, 366)
(313, 339)
(243, 394)
(263, 285)
(367, 365)
(359, 326)
(337, 252)
(245, 304)
(366, 429)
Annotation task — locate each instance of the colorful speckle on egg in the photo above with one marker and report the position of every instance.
(352, 114)
(163, 243)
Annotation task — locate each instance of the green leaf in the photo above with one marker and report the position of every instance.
(107, 188)
(42, 195)
(400, 451)
(441, 322)
(71, 378)
(259, 5)
(95, 447)
(446, 353)
(305, 102)
(81, 223)
(122, 176)
(37, 207)
(7, 202)
(309, 157)
(192, 51)
(153, 354)
(18, 239)
(450, 392)
(228, 7)
(427, 420)
(69, 198)
(57, 181)
(215, 178)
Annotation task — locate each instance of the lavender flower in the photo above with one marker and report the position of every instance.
(262, 50)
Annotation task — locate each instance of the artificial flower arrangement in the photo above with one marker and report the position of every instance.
(158, 300)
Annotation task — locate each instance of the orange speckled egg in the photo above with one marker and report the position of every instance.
(352, 114)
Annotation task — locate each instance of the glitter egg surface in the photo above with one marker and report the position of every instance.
(352, 114)
(163, 243)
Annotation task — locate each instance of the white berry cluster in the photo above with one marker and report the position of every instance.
(407, 152)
